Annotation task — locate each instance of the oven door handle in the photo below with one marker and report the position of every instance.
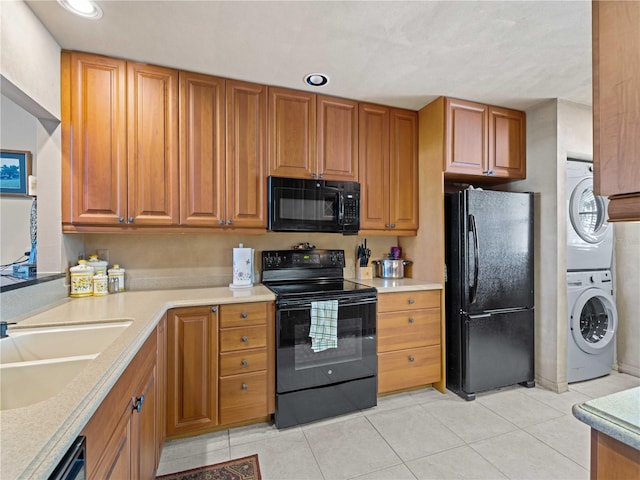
(306, 304)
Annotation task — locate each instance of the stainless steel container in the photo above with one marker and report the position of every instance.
(391, 268)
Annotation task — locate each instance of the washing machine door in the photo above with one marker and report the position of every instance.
(593, 320)
(588, 212)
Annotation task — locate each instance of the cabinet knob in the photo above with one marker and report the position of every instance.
(393, 225)
(214, 309)
(131, 219)
(137, 403)
(221, 222)
(411, 301)
(229, 222)
(121, 219)
(411, 320)
(245, 339)
(486, 172)
(244, 363)
(321, 175)
(245, 386)
(313, 175)
(411, 359)
(244, 315)
(387, 225)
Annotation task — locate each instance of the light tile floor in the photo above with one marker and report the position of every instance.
(514, 433)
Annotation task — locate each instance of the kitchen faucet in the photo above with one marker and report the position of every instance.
(3, 328)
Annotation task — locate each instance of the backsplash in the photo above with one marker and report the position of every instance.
(158, 261)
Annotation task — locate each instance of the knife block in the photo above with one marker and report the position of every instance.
(364, 273)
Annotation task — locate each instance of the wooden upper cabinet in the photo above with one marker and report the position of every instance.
(246, 164)
(483, 143)
(374, 166)
(94, 151)
(337, 139)
(202, 155)
(507, 143)
(388, 169)
(466, 132)
(292, 127)
(403, 170)
(152, 121)
(616, 106)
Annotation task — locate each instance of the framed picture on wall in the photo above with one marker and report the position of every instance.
(15, 168)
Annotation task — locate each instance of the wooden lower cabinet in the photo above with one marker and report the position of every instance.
(220, 366)
(612, 459)
(409, 350)
(122, 435)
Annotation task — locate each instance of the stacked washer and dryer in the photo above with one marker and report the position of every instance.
(592, 315)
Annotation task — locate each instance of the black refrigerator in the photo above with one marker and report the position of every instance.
(489, 290)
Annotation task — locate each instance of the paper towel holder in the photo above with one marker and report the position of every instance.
(242, 268)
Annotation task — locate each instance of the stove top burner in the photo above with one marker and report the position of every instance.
(319, 287)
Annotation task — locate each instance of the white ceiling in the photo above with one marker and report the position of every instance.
(401, 53)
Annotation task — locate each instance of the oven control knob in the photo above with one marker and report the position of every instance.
(329, 372)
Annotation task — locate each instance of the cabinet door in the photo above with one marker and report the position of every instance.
(403, 170)
(144, 429)
(152, 122)
(202, 156)
(115, 460)
(337, 139)
(192, 396)
(97, 167)
(246, 154)
(374, 166)
(466, 137)
(507, 143)
(161, 381)
(292, 127)
(616, 106)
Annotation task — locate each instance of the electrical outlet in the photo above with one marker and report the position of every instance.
(103, 254)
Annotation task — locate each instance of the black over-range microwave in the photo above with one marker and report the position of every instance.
(297, 205)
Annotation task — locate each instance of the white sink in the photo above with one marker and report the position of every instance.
(44, 343)
(26, 383)
(37, 363)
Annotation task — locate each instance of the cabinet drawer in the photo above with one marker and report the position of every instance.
(408, 329)
(389, 302)
(241, 314)
(247, 361)
(242, 338)
(243, 397)
(397, 370)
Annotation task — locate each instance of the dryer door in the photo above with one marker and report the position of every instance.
(588, 212)
(593, 320)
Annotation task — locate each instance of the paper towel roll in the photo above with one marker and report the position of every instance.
(242, 267)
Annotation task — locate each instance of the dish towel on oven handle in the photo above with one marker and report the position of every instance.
(324, 325)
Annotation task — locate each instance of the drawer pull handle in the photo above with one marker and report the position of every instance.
(411, 359)
(411, 301)
(245, 339)
(245, 386)
(244, 315)
(411, 320)
(137, 405)
(244, 363)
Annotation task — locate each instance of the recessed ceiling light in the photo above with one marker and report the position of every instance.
(316, 79)
(84, 8)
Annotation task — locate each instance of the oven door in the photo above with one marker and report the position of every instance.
(299, 367)
(295, 206)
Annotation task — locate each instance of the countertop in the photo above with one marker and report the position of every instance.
(616, 415)
(398, 285)
(34, 438)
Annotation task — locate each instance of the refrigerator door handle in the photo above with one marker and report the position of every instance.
(473, 290)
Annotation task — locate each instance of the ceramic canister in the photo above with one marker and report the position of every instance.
(81, 279)
(99, 266)
(117, 272)
(100, 285)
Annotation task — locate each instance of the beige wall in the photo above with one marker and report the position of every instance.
(190, 260)
(627, 282)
